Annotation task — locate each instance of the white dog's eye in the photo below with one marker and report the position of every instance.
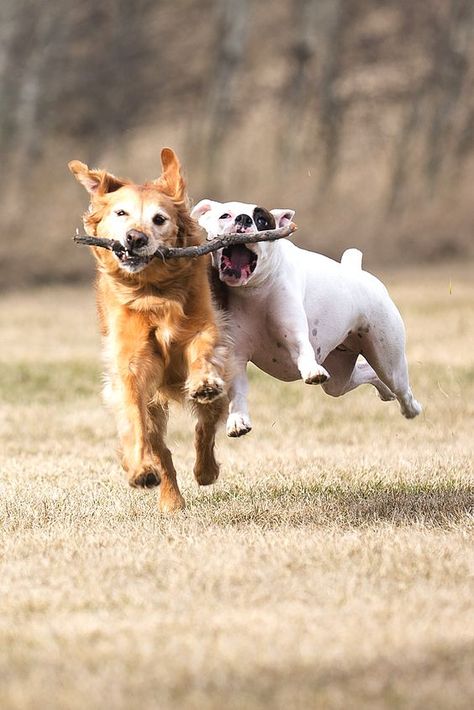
(158, 219)
(121, 213)
(226, 215)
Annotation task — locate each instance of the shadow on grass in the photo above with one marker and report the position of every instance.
(300, 504)
(441, 678)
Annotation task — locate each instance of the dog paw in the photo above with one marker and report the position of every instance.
(207, 475)
(171, 503)
(411, 408)
(207, 390)
(316, 376)
(145, 479)
(238, 425)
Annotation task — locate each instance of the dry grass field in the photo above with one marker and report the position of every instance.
(330, 567)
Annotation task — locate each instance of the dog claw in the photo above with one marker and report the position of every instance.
(240, 432)
(316, 376)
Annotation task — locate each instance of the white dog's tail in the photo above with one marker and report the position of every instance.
(352, 258)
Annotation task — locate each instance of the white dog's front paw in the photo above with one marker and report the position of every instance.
(238, 424)
(316, 375)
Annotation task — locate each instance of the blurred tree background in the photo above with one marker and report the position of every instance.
(359, 114)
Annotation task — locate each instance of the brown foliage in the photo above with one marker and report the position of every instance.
(358, 114)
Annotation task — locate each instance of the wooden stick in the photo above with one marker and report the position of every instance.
(220, 242)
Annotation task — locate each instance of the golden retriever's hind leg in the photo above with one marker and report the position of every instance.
(170, 496)
(206, 468)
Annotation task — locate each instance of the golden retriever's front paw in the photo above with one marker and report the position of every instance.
(171, 503)
(146, 478)
(206, 390)
(207, 474)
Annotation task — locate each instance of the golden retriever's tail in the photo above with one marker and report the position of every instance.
(352, 258)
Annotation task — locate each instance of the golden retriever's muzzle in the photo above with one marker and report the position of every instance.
(135, 240)
(132, 258)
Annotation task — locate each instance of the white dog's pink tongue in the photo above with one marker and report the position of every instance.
(240, 257)
(237, 263)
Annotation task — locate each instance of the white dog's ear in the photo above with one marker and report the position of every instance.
(283, 217)
(202, 207)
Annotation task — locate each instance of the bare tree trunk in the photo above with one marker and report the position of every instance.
(10, 19)
(331, 108)
(232, 33)
(300, 86)
(450, 68)
(399, 176)
(30, 118)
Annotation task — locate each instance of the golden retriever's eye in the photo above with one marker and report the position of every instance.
(121, 213)
(226, 215)
(159, 219)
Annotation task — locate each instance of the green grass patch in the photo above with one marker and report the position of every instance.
(22, 382)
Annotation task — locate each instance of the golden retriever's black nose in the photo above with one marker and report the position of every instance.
(135, 239)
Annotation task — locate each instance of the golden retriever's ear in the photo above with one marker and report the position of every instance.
(171, 181)
(96, 182)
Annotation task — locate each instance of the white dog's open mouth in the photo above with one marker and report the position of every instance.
(237, 264)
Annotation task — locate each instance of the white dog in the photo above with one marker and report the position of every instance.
(297, 314)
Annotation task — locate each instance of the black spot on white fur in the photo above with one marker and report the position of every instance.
(263, 219)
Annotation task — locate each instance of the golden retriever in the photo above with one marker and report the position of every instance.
(163, 338)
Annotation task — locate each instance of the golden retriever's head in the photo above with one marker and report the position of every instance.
(141, 217)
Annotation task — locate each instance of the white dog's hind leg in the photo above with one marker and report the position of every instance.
(387, 357)
(238, 421)
(399, 383)
(347, 374)
(364, 374)
(410, 407)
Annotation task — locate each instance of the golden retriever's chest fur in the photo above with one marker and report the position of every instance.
(157, 321)
(141, 323)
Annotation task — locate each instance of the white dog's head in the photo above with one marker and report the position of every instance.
(238, 265)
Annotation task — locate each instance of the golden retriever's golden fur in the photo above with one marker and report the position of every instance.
(162, 335)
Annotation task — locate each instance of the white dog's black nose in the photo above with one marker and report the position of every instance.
(135, 239)
(243, 220)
